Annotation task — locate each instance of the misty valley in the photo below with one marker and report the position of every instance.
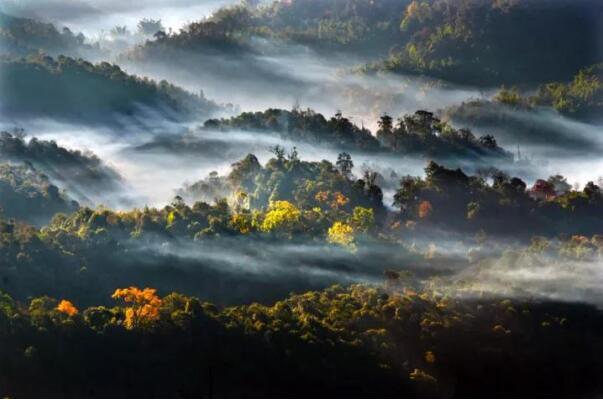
(301, 198)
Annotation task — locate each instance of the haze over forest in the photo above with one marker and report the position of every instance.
(301, 198)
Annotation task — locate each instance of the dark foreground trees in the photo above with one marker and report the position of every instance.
(357, 341)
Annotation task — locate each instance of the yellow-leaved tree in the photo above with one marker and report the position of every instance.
(342, 234)
(281, 216)
(242, 222)
(363, 219)
(143, 305)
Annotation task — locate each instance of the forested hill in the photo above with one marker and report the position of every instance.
(285, 216)
(498, 42)
(580, 98)
(22, 36)
(28, 195)
(368, 28)
(384, 341)
(82, 174)
(70, 89)
(420, 133)
(482, 42)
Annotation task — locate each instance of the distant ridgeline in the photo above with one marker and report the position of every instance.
(470, 42)
(78, 90)
(23, 36)
(350, 25)
(421, 133)
(81, 174)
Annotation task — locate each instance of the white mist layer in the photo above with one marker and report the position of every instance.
(532, 276)
(95, 17)
(282, 75)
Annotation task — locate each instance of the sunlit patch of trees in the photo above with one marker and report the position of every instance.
(470, 41)
(287, 196)
(496, 203)
(67, 307)
(307, 185)
(342, 234)
(142, 306)
(580, 98)
(281, 216)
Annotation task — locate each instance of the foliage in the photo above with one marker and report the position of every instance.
(28, 195)
(149, 27)
(349, 25)
(74, 81)
(74, 169)
(67, 307)
(582, 97)
(462, 41)
(342, 234)
(425, 209)
(22, 36)
(452, 199)
(281, 216)
(143, 306)
(384, 341)
(470, 41)
(301, 125)
(419, 133)
(363, 219)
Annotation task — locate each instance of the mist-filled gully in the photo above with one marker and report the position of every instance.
(153, 166)
(333, 197)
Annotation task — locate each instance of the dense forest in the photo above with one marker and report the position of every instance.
(82, 174)
(474, 41)
(581, 99)
(97, 93)
(22, 36)
(288, 202)
(465, 42)
(389, 198)
(359, 341)
(421, 133)
(27, 194)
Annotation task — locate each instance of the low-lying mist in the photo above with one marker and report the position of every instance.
(155, 163)
(281, 75)
(94, 18)
(519, 274)
(546, 142)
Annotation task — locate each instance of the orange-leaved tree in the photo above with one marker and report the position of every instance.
(143, 305)
(425, 209)
(67, 307)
